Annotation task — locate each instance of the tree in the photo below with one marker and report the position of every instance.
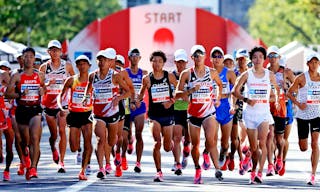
(50, 19)
(280, 22)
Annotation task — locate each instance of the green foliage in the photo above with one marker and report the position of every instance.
(50, 19)
(280, 22)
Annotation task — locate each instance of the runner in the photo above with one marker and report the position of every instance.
(161, 108)
(288, 80)
(201, 109)
(56, 72)
(224, 113)
(29, 84)
(228, 61)
(307, 86)
(24, 160)
(105, 84)
(5, 121)
(256, 111)
(283, 76)
(78, 118)
(124, 123)
(137, 108)
(239, 136)
(118, 66)
(180, 117)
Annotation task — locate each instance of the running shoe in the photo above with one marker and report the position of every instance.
(186, 151)
(61, 168)
(197, 177)
(258, 178)
(184, 162)
(245, 149)
(78, 159)
(218, 175)
(21, 169)
(173, 168)
(246, 162)
(270, 170)
(55, 156)
(231, 164)
(224, 167)
(6, 176)
(158, 177)
(124, 163)
(312, 180)
(118, 172)
(31, 173)
(27, 161)
(137, 168)
(252, 177)
(242, 171)
(222, 159)
(130, 146)
(278, 164)
(88, 170)
(283, 170)
(117, 160)
(82, 176)
(178, 168)
(108, 169)
(101, 173)
(206, 161)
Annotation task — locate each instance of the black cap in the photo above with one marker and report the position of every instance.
(29, 49)
(133, 50)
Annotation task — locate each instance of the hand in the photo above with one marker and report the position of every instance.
(115, 101)
(25, 92)
(167, 104)
(133, 106)
(302, 106)
(196, 87)
(41, 91)
(137, 103)
(251, 102)
(217, 103)
(232, 110)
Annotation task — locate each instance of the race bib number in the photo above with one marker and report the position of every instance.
(137, 87)
(160, 93)
(32, 94)
(103, 95)
(260, 95)
(313, 97)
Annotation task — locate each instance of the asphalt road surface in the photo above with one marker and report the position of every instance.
(298, 170)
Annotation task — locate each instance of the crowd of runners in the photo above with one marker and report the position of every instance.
(251, 106)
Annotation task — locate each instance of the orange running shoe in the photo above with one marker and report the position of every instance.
(118, 172)
(21, 169)
(124, 163)
(82, 176)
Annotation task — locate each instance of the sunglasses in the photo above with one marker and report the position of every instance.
(134, 54)
(197, 54)
(217, 56)
(37, 62)
(273, 55)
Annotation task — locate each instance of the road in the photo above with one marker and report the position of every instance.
(298, 170)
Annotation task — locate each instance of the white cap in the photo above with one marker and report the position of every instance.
(121, 59)
(196, 48)
(5, 64)
(38, 56)
(311, 56)
(214, 49)
(273, 49)
(242, 53)
(228, 56)
(54, 43)
(180, 54)
(109, 53)
(83, 57)
(283, 61)
(19, 54)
